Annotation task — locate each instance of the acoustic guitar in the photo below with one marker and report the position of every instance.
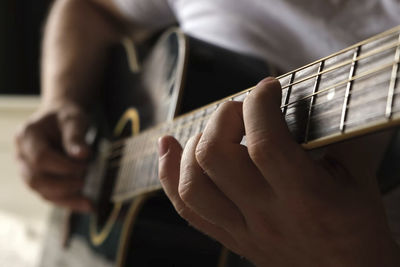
(345, 95)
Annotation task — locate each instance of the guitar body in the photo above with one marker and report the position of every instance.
(179, 74)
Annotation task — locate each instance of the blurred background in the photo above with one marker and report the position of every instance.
(23, 214)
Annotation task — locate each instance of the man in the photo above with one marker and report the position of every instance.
(78, 33)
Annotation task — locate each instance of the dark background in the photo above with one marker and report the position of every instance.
(21, 27)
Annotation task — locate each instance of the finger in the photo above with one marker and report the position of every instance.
(169, 169)
(54, 187)
(62, 191)
(74, 125)
(42, 157)
(227, 162)
(271, 147)
(198, 192)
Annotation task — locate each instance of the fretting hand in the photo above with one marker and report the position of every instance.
(271, 202)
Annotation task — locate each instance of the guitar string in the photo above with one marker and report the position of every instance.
(122, 142)
(298, 102)
(344, 63)
(151, 150)
(367, 55)
(331, 113)
(125, 161)
(337, 96)
(117, 152)
(127, 176)
(355, 77)
(324, 115)
(390, 33)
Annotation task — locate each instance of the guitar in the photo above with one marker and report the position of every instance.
(345, 95)
(174, 78)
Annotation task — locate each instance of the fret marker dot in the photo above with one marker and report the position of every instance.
(331, 94)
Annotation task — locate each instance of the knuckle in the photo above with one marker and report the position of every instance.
(164, 172)
(261, 150)
(186, 191)
(183, 211)
(206, 152)
(187, 183)
(163, 175)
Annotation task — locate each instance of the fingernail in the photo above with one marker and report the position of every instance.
(162, 147)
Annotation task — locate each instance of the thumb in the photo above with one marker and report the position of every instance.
(74, 124)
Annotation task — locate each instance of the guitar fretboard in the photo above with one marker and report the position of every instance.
(350, 93)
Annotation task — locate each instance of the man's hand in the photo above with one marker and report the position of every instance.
(271, 202)
(53, 155)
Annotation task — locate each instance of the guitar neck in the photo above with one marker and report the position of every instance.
(348, 94)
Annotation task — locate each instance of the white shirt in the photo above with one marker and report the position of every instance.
(287, 33)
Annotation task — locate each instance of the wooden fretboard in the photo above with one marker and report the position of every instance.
(347, 94)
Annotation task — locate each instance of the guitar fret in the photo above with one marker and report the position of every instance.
(140, 162)
(312, 101)
(202, 123)
(215, 107)
(133, 166)
(124, 170)
(240, 97)
(393, 80)
(288, 93)
(152, 159)
(348, 89)
(178, 130)
(187, 128)
(154, 172)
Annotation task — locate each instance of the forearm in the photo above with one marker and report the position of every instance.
(77, 36)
